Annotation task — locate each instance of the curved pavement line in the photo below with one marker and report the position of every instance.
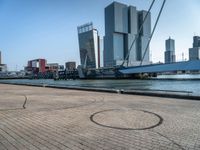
(23, 106)
(92, 101)
(119, 128)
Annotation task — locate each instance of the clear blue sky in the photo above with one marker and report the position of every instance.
(32, 29)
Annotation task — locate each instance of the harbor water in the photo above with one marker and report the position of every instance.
(189, 84)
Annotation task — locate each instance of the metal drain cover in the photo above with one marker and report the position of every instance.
(127, 119)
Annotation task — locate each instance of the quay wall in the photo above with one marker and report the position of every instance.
(154, 93)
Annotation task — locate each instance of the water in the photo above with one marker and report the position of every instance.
(181, 76)
(191, 87)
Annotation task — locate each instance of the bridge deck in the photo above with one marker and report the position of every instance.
(178, 66)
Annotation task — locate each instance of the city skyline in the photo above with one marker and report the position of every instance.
(47, 29)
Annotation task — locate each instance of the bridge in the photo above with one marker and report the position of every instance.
(160, 68)
(156, 68)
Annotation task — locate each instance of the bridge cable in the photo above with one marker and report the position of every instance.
(163, 4)
(137, 35)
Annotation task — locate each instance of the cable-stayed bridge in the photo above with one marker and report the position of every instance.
(160, 68)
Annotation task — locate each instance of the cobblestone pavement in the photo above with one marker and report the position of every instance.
(67, 119)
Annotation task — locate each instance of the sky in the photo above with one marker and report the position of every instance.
(31, 29)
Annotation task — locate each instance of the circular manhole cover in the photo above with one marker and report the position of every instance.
(126, 119)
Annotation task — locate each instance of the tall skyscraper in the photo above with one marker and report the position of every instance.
(89, 46)
(144, 36)
(3, 67)
(194, 53)
(122, 23)
(170, 56)
(196, 41)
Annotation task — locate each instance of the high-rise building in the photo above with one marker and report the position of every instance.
(122, 23)
(3, 67)
(89, 46)
(144, 36)
(196, 41)
(194, 53)
(170, 56)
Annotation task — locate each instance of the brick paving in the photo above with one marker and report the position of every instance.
(78, 120)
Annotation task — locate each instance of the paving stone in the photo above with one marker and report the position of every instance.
(59, 119)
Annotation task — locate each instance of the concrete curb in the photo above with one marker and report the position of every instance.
(161, 94)
(85, 89)
(68, 87)
(130, 92)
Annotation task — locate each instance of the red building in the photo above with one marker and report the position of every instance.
(36, 66)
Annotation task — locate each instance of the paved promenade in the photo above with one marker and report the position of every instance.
(58, 119)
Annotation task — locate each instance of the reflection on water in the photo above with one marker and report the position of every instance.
(180, 76)
(186, 86)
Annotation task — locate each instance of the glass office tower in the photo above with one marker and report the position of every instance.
(122, 23)
(170, 56)
(194, 53)
(89, 46)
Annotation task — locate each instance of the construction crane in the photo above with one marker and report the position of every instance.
(140, 30)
